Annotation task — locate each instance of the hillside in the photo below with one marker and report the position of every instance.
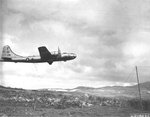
(80, 101)
(143, 86)
(118, 91)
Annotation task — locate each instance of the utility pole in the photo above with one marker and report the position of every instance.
(139, 87)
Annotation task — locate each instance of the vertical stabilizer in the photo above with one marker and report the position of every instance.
(8, 53)
(59, 52)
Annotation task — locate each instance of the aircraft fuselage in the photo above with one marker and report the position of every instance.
(37, 59)
(45, 56)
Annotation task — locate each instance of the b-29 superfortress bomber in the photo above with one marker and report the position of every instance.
(45, 56)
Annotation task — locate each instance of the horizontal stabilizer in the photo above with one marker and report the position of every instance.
(44, 53)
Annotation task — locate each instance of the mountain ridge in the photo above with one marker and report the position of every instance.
(145, 85)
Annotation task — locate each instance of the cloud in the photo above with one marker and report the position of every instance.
(109, 38)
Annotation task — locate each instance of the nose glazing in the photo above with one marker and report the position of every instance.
(74, 56)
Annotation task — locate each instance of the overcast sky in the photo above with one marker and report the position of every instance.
(109, 37)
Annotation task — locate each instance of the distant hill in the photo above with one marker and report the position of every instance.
(2, 86)
(145, 85)
(113, 91)
(118, 91)
(83, 88)
(9, 88)
(109, 91)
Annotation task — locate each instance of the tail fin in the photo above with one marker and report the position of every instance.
(8, 53)
(59, 52)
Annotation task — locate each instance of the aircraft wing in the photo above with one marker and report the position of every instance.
(44, 53)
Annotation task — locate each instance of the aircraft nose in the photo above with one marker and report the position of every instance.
(74, 56)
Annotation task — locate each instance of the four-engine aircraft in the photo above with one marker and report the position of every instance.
(45, 56)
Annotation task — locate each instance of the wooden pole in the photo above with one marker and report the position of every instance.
(139, 87)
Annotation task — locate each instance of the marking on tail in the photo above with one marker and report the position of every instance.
(8, 53)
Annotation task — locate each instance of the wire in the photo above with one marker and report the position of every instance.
(131, 75)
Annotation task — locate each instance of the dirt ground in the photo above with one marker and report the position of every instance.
(70, 112)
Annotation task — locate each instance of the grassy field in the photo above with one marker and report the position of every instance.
(34, 103)
(95, 111)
